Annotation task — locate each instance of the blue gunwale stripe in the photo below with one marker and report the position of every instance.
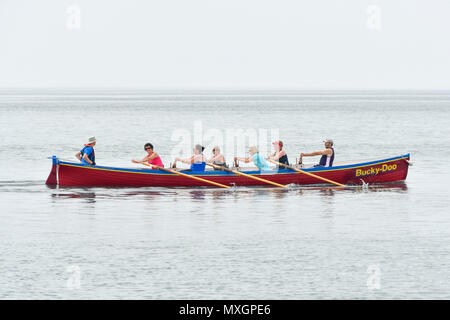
(224, 173)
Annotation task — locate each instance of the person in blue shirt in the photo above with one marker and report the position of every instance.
(87, 154)
(197, 162)
(257, 159)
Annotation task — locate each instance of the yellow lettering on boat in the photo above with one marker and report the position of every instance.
(375, 170)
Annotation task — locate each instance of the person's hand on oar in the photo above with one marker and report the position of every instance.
(236, 162)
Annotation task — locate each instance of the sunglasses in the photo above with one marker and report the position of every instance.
(148, 148)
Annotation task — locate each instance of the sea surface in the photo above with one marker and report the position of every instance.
(372, 242)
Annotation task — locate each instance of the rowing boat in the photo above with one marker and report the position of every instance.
(67, 173)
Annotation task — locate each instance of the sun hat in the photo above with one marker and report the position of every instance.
(92, 140)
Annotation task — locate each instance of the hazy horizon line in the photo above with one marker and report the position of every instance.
(43, 89)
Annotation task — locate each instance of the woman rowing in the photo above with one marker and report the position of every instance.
(257, 159)
(197, 160)
(151, 158)
(218, 159)
(279, 155)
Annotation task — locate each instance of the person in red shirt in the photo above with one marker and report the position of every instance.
(151, 158)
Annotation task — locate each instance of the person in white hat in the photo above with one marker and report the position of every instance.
(327, 155)
(87, 154)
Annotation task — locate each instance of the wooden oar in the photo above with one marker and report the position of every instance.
(186, 175)
(246, 175)
(307, 173)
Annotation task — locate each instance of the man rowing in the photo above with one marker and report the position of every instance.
(87, 154)
(327, 155)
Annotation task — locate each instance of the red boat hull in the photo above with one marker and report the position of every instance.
(74, 174)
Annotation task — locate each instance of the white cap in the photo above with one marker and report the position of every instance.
(92, 140)
(329, 140)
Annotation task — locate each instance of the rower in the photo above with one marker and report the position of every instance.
(327, 155)
(279, 155)
(218, 159)
(197, 160)
(257, 159)
(87, 154)
(151, 158)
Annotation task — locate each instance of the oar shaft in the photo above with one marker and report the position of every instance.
(247, 175)
(188, 176)
(308, 173)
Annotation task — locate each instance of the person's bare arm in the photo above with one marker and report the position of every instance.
(217, 158)
(143, 160)
(154, 155)
(327, 152)
(78, 155)
(246, 160)
(213, 158)
(86, 158)
(146, 158)
(278, 155)
(187, 160)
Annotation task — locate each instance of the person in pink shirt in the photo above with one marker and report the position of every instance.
(152, 158)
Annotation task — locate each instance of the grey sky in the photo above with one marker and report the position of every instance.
(316, 44)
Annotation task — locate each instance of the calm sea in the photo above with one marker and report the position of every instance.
(251, 243)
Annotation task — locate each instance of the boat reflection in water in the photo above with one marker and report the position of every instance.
(219, 195)
(380, 187)
(88, 196)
